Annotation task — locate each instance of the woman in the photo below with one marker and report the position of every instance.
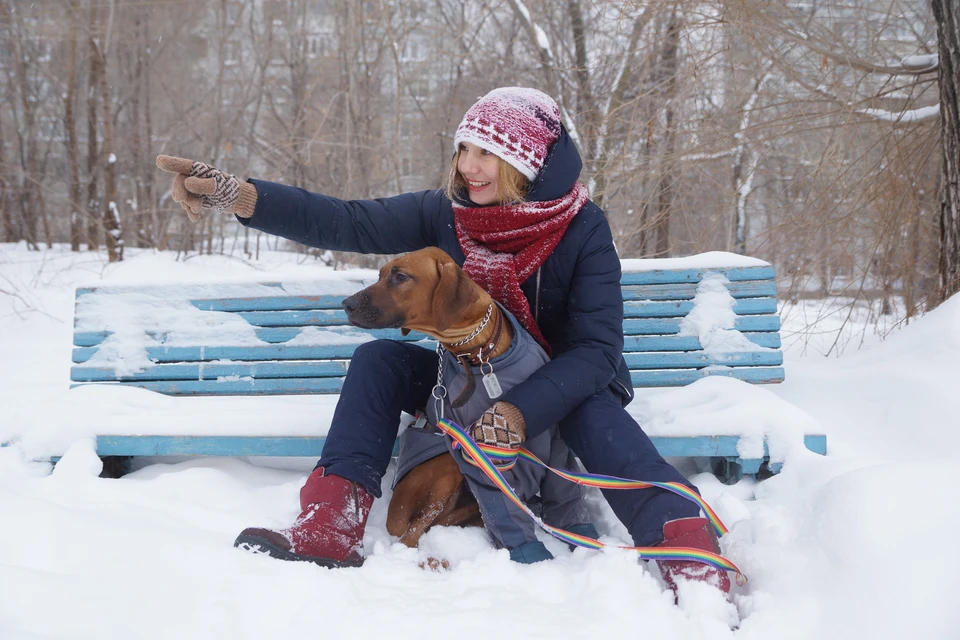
(516, 219)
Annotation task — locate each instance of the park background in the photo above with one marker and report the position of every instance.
(819, 136)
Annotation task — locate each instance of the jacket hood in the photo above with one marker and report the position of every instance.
(560, 171)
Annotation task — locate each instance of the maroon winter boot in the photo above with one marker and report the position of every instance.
(695, 533)
(329, 531)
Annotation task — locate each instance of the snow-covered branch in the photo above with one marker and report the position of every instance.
(700, 157)
(909, 116)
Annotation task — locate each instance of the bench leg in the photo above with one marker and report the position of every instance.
(731, 470)
(115, 466)
(727, 470)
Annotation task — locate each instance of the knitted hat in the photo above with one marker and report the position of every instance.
(513, 123)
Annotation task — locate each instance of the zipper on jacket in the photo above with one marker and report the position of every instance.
(536, 299)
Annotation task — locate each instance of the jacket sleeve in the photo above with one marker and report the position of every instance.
(402, 223)
(595, 329)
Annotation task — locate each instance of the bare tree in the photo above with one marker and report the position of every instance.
(93, 147)
(111, 214)
(24, 104)
(948, 31)
(70, 124)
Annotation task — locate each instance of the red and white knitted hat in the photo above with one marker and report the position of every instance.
(514, 123)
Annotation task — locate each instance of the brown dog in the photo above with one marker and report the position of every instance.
(428, 292)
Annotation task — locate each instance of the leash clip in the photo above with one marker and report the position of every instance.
(439, 392)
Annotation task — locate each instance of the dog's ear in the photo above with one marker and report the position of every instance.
(454, 294)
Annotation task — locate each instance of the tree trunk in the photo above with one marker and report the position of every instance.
(113, 233)
(669, 164)
(666, 189)
(149, 206)
(70, 123)
(93, 153)
(136, 227)
(26, 128)
(587, 106)
(947, 15)
(8, 230)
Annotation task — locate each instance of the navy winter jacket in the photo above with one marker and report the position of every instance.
(575, 296)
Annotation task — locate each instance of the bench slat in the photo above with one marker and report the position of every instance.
(686, 291)
(214, 371)
(700, 359)
(331, 368)
(276, 335)
(300, 318)
(94, 338)
(669, 276)
(680, 308)
(637, 309)
(294, 386)
(683, 377)
(666, 326)
(632, 344)
(748, 289)
(197, 354)
(312, 446)
(240, 387)
(278, 303)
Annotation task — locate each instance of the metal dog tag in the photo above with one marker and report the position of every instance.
(492, 385)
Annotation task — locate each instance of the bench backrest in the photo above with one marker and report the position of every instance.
(681, 324)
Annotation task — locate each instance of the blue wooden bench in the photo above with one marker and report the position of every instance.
(292, 338)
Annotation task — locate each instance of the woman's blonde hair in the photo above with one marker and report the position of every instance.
(512, 186)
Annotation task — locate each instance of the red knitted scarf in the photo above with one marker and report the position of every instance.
(506, 244)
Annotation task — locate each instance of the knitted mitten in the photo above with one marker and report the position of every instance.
(199, 185)
(501, 425)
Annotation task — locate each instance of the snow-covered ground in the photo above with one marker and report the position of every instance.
(850, 545)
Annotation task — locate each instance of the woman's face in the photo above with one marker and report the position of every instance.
(479, 169)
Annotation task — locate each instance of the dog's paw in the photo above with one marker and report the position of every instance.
(432, 564)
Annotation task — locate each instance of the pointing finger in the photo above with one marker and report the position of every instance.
(174, 164)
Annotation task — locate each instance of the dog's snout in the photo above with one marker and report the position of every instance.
(351, 303)
(360, 311)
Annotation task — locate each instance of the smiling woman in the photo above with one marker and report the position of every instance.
(507, 218)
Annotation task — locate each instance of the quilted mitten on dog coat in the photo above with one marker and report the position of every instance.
(501, 425)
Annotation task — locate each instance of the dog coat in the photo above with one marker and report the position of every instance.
(562, 501)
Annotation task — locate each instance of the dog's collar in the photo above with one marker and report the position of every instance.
(476, 331)
(476, 355)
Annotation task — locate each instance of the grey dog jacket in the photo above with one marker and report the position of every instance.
(562, 501)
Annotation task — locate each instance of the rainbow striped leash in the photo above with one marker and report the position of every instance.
(484, 457)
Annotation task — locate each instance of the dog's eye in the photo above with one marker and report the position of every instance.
(399, 276)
